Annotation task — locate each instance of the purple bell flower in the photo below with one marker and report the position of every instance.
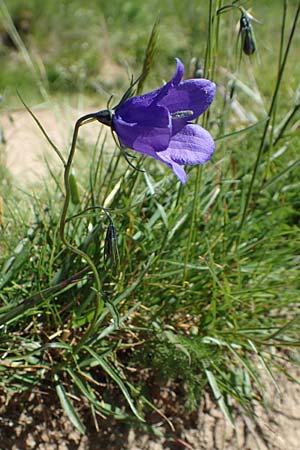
(157, 124)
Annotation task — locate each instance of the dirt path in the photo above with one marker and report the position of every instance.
(25, 148)
(35, 422)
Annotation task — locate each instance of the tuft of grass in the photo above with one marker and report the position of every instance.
(196, 287)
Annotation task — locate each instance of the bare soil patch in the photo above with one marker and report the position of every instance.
(35, 421)
(25, 149)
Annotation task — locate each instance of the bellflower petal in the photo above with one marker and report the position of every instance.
(192, 145)
(165, 157)
(143, 128)
(194, 95)
(158, 94)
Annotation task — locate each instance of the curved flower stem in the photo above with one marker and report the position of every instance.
(63, 219)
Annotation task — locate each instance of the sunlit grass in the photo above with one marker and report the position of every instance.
(200, 283)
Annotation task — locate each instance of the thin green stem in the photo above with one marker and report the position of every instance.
(208, 53)
(265, 132)
(209, 67)
(12, 31)
(56, 149)
(193, 219)
(285, 123)
(216, 41)
(271, 141)
(111, 172)
(63, 220)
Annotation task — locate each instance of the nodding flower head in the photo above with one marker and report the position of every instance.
(158, 124)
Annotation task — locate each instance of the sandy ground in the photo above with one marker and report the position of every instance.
(26, 149)
(25, 146)
(42, 427)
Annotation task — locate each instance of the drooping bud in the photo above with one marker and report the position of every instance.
(110, 244)
(248, 41)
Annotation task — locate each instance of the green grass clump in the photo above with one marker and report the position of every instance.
(196, 286)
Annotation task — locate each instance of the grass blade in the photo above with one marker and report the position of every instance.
(117, 379)
(218, 396)
(67, 406)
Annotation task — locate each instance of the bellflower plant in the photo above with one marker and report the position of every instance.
(158, 124)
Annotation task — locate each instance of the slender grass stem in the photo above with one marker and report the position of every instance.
(217, 19)
(194, 212)
(285, 124)
(209, 67)
(55, 148)
(15, 36)
(209, 46)
(271, 141)
(268, 121)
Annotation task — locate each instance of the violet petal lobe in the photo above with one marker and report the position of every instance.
(165, 158)
(142, 128)
(157, 94)
(192, 145)
(160, 93)
(177, 168)
(195, 95)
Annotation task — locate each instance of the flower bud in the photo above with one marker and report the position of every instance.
(110, 244)
(75, 197)
(248, 42)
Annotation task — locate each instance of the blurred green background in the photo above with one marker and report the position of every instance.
(94, 47)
